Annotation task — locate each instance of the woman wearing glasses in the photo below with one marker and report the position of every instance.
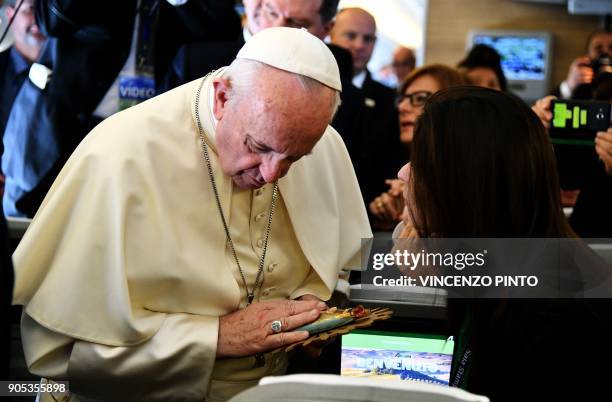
(423, 82)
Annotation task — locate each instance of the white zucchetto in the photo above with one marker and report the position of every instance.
(296, 51)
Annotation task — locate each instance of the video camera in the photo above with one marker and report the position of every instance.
(601, 64)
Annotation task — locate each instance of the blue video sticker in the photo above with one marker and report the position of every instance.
(133, 90)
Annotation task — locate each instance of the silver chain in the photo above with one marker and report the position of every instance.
(251, 294)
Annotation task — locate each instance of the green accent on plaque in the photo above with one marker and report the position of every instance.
(583, 117)
(561, 115)
(324, 324)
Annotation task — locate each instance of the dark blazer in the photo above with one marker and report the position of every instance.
(384, 152)
(349, 120)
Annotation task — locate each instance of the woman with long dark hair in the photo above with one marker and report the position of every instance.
(482, 166)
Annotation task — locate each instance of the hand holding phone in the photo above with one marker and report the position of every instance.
(574, 120)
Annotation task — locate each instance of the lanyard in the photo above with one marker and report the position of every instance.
(144, 39)
(461, 372)
(463, 365)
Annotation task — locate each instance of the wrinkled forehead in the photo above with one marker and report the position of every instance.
(297, 116)
(292, 124)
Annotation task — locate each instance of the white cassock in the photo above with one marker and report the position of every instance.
(125, 269)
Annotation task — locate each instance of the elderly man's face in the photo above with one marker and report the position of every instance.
(28, 38)
(293, 14)
(260, 134)
(355, 30)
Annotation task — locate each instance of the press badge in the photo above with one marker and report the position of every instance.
(133, 90)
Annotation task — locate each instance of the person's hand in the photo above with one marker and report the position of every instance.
(603, 147)
(249, 331)
(408, 231)
(388, 206)
(542, 109)
(396, 187)
(314, 349)
(579, 73)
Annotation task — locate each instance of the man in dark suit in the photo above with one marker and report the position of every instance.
(93, 47)
(355, 30)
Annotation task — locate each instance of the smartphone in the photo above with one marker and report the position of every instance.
(575, 120)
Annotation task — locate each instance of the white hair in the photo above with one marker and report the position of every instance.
(242, 74)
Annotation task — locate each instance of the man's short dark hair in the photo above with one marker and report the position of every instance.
(328, 10)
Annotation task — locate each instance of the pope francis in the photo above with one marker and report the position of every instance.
(188, 236)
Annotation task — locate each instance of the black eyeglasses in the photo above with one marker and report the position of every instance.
(416, 98)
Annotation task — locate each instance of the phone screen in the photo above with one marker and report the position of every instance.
(577, 122)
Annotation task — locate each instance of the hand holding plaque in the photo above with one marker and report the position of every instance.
(335, 321)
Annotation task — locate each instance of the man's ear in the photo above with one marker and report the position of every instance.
(222, 87)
